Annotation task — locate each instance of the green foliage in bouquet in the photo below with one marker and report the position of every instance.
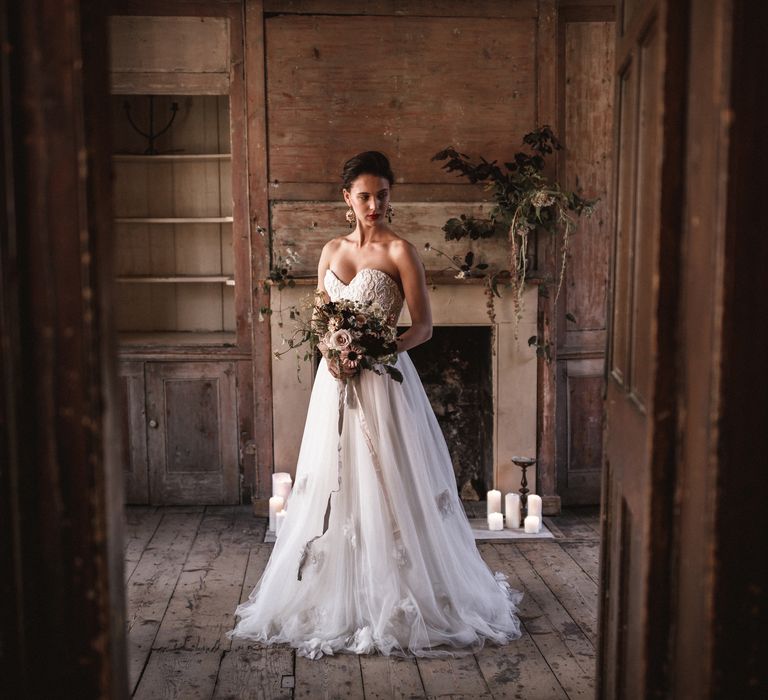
(354, 334)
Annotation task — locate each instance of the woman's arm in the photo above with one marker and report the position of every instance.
(322, 266)
(414, 280)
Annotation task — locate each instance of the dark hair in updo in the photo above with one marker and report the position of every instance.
(367, 163)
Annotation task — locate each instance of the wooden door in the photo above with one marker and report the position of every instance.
(640, 381)
(192, 433)
(134, 433)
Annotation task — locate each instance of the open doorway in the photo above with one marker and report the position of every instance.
(61, 507)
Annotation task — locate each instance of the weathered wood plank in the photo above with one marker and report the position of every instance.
(257, 561)
(576, 675)
(426, 84)
(568, 582)
(201, 610)
(140, 525)
(573, 527)
(151, 585)
(537, 591)
(386, 677)
(255, 672)
(589, 515)
(305, 228)
(452, 676)
(429, 8)
(186, 675)
(587, 556)
(519, 671)
(255, 105)
(329, 677)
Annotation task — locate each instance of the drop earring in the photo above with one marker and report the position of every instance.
(390, 213)
(350, 217)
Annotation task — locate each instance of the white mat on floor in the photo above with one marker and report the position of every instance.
(481, 532)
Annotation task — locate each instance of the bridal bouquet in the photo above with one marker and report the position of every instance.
(354, 334)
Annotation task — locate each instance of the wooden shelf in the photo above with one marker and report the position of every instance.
(177, 279)
(176, 339)
(173, 220)
(170, 157)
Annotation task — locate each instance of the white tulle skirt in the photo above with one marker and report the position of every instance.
(376, 552)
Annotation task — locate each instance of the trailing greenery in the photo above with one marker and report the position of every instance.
(525, 201)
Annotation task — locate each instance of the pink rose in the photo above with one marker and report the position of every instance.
(340, 339)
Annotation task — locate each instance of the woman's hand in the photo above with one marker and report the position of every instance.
(337, 370)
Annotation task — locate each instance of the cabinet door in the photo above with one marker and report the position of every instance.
(134, 442)
(192, 433)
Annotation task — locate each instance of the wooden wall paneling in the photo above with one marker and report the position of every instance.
(245, 422)
(258, 218)
(585, 123)
(134, 434)
(417, 77)
(579, 429)
(306, 226)
(546, 113)
(405, 192)
(238, 245)
(196, 63)
(587, 129)
(427, 8)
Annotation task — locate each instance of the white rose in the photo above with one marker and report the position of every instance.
(340, 339)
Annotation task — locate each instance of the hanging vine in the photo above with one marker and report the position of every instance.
(525, 201)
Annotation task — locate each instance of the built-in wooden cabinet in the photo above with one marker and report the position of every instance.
(183, 260)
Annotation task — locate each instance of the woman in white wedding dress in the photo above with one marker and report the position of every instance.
(376, 552)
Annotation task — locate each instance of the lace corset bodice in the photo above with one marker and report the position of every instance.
(369, 284)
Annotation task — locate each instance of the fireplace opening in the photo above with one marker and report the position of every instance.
(455, 369)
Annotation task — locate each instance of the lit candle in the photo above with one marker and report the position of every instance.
(276, 504)
(534, 506)
(279, 520)
(532, 523)
(281, 484)
(494, 501)
(495, 521)
(512, 510)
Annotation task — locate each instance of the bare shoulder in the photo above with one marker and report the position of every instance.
(330, 248)
(404, 253)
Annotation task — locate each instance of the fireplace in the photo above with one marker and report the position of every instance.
(455, 369)
(480, 379)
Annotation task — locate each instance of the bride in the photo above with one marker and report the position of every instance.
(376, 552)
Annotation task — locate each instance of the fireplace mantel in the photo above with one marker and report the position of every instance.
(513, 374)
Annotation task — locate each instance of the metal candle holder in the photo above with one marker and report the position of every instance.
(524, 463)
(151, 134)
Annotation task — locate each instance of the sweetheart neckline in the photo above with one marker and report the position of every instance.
(372, 269)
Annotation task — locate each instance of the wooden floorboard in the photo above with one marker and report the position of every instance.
(573, 669)
(188, 567)
(151, 585)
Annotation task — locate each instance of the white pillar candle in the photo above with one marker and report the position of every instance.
(279, 479)
(532, 523)
(494, 501)
(512, 510)
(279, 520)
(495, 521)
(276, 504)
(534, 506)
